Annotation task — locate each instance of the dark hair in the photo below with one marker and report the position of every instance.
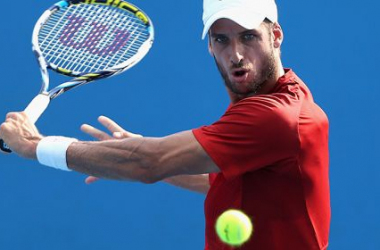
(266, 20)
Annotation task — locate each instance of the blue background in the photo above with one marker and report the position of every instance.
(332, 45)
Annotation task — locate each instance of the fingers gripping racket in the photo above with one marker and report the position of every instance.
(87, 40)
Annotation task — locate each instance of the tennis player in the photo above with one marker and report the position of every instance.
(267, 155)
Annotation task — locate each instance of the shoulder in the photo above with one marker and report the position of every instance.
(275, 109)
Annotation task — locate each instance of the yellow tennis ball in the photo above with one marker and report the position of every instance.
(234, 227)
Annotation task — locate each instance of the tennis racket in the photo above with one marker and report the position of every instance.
(87, 40)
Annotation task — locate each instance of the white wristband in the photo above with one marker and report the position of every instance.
(51, 151)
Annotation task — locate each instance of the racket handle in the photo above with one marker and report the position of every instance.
(36, 107)
(4, 147)
(34, 110)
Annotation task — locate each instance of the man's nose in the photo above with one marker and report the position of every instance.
(237, 53)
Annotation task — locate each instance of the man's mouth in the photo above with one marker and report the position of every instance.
(239, 75)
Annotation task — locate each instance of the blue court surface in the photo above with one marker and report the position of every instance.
(331, 45)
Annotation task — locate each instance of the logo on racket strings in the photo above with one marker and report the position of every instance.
(95, 38)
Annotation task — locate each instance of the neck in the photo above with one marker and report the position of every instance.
(271, 83)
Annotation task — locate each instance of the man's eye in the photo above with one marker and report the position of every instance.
(221, 39)
(249, 37)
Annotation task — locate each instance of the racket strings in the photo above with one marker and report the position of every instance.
(69, 58)
(51, 46)
(80, 56)
(114, 59)
(90, 38)
(77, 57)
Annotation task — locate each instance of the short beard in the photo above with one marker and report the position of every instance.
(266, 73)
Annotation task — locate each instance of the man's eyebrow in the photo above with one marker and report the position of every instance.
(213, 34)
(253, 31)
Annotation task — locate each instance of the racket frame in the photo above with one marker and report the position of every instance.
(39, 104)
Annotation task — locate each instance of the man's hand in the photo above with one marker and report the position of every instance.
(116, 131)
(20, 134)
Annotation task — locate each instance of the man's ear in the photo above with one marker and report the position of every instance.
(278, 35)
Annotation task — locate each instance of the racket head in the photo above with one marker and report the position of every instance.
(91, 39)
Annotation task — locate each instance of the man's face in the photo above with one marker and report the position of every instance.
(245, 58)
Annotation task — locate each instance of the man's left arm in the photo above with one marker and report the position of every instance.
(141, 159)
(197, 183)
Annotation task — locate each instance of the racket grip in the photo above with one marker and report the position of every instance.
(4, 147)
(36, 107)
(34, 110)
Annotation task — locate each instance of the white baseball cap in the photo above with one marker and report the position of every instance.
(247, 13)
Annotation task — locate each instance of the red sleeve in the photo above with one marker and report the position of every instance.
(211, 178)
(254, 133)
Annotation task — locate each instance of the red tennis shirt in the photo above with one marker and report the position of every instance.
(272, 151)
